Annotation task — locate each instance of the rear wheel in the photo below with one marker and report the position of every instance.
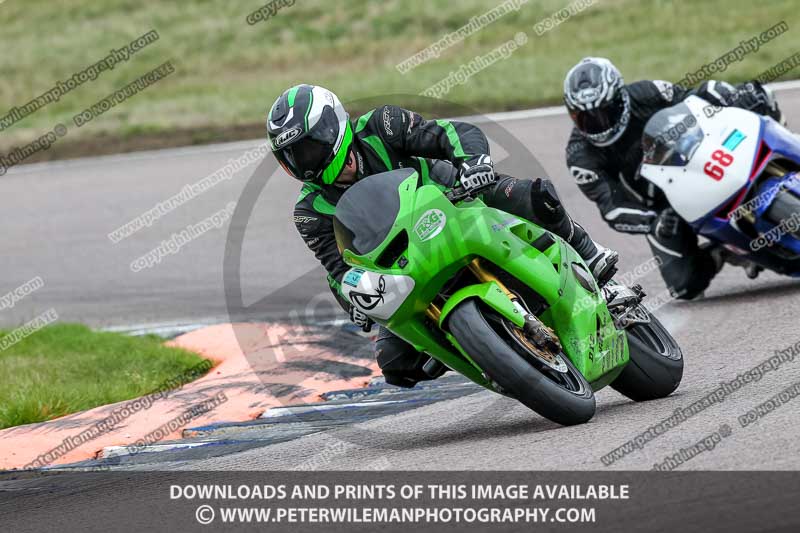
(656, 362)
(547, 383)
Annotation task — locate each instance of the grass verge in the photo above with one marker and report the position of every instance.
(65, 368)
(228, 72)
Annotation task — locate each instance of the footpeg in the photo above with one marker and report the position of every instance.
(752, 270)
(621, 296)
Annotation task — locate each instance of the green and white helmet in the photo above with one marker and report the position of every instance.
(310, 133)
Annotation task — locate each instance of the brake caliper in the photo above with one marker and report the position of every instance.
(541, 335)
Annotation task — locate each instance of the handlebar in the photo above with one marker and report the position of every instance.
(458, 193)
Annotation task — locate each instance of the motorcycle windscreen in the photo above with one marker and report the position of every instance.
(366, 213)
(671, 137)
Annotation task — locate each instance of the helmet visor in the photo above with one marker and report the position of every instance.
(601, 119)
(307, 157)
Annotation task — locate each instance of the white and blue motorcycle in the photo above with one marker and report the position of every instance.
(733, 176)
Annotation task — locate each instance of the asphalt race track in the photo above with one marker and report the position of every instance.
(57, 217)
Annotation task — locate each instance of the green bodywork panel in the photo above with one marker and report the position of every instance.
(491, 294)
(444, 238)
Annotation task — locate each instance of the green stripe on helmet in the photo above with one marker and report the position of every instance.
(292, 94)
(308, 109)
(335, 167)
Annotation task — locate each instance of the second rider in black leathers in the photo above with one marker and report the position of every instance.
(604, 153)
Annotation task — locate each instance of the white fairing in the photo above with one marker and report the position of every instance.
(690, 191)
(379, 296)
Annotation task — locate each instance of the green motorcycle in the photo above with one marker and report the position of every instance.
(496, 298)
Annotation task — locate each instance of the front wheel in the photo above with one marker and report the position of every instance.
(785, 206)
(656, 362)
(551, 386)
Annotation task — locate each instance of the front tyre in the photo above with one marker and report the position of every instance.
(785, 206)
(563, 396)
(656, 362)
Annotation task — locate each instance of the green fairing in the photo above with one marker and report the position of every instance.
(472, 230)
(492, 294)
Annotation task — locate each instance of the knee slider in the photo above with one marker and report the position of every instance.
(545, 201)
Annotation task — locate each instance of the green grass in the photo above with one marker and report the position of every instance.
(64, 368)
(228, 72)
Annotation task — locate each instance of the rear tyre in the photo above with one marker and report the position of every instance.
(656, 363)
(563, 397)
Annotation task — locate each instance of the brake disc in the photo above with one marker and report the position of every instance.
(549, 358)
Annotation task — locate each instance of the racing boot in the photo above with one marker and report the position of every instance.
(602, 261)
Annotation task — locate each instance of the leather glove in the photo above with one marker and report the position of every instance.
(718, 93)
(667, 224)
(630, 219)
(477, 172)
(360, 319)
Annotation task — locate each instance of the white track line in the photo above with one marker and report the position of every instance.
(240, 146)
(165, 329)
(125, 451)
(290, 411)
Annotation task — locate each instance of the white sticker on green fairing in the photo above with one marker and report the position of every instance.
(377, 295)
(430, 224)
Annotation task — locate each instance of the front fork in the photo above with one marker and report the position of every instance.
(773, 169)
(539, 333)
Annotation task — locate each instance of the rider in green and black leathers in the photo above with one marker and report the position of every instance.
(314, 140)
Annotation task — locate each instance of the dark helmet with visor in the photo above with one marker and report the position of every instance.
(597, 100)
(310, 134)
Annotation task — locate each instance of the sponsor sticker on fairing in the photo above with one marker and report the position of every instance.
(733, 140)
(353, 276)
(430, 224)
